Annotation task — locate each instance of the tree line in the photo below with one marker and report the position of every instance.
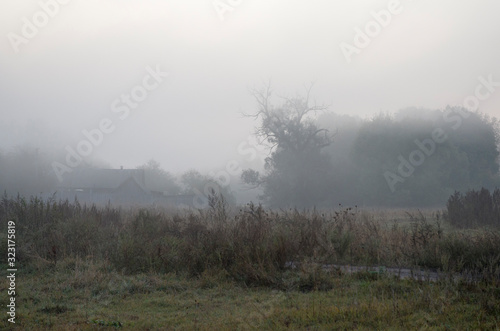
(414, 158)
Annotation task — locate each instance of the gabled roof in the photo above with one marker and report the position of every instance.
(101, 178)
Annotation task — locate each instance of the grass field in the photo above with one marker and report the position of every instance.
(106, 268)
(78, 294)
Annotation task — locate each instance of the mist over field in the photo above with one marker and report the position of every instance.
(290, 103)
(250, 164)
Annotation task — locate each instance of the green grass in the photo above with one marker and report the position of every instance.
(107, 268)
(84, 295)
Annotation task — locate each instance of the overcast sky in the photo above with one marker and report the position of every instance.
(65, 77)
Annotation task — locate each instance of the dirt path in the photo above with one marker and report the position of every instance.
(402, 273)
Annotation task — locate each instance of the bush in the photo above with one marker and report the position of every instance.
(253, 246)
(475, 208)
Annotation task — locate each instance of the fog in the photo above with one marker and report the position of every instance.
(194, 64)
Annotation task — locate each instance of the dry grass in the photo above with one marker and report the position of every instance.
(87, 268)
(252, 245)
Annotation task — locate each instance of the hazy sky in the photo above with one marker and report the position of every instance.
(65, 77)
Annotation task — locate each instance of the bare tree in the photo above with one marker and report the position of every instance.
(296, 165)
(288, 126)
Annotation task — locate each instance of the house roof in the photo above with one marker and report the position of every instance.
(102, 178)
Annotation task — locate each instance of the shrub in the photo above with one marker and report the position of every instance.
(475, 208)
(254, 246)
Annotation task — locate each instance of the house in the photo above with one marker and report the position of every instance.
(116, 186)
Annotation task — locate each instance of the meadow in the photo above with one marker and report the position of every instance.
(87, 267)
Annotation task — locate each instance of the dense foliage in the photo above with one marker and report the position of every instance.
(297, 171)
(253, 245)
(417, 157)
(474, 208)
